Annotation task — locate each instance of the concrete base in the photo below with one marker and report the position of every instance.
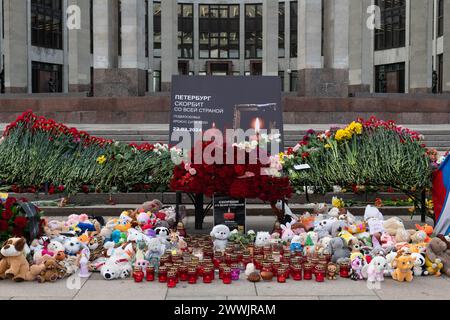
(323, 83)
(358, 88)
(420, 90)
(119, 82)
(15, 90)
(79, 88)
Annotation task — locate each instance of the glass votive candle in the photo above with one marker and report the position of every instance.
(172, 279)
(164, 260)
(192, 275)
(138, 275)
(344, 270)
(207, 278)
(183, 273)
(297, 272)
(320, 273)
(246, 259)
(150, 274)
(287, 269)
(226, 275)
(221, 269)
(307, 271)
(162, 274)
(218, 259)
(281, 277)
(235, 272)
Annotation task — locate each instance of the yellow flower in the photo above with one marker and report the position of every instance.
(343, 134)
(328, 146)
(338, 203)
(101, 160)
(355, 128)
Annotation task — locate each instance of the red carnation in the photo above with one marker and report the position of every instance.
(18, 232)
(20, 222)
(7, 214)
(3, 225)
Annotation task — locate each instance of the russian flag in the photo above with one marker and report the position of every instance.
(441, 197)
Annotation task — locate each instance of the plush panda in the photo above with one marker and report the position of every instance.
(163, 234)
(419, 263)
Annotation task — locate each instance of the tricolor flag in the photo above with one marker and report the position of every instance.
(441, 197)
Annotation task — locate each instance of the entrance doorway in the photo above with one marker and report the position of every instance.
(223, 68)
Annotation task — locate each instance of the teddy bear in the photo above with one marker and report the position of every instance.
(403, 268)
(262, 239)
(332, 269)
(13, 263)
(437, 250)
(220, 235)
(118, 266)
(338, 250)
(51, 273)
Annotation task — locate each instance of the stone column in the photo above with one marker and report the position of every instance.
(270, 39)
(309, 47)
(336, 48)
(133, 67)
(361, 46)
(15, 46)
(79, 50)
(421, 46)
(446, 68)
(105, 46)
(169, 45)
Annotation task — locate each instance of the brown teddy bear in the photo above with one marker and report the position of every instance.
(13, 263)
(51, 273)
(437, 249)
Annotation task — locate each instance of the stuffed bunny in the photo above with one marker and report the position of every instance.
(287, 233)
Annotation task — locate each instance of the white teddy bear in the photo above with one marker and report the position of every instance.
(118, 266)
(220, 234)
(262, 239)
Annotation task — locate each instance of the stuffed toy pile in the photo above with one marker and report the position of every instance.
(371, 247)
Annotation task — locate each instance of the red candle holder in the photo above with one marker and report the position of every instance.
(162, 274)
(172, 279)
(183, 273)
(307, 271)
(281, 278)
(150, 276)
(320, 273)
(221, 269)
(226, 275)
(207, 277)
(344, 270)
(138, 275)
(218, 259)
(192, 275)
(297, 272)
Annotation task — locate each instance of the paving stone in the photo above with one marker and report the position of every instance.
(421, 288)
(60, 289)
(272, 298)
(238, 288)
(349, 298)
(121, 290)
(197, 298)
(340, 287)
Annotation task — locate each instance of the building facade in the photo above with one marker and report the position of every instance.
(316, 47)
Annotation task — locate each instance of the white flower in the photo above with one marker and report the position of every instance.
(234, 232)
(251, 232)
(192, 172)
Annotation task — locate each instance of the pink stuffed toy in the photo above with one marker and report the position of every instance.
(387, 240)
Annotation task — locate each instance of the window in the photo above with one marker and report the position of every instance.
(281, 21)
(219, 31)
(156, 81)
(157, 29)
(46, 23)
(281, 76)
(119, 33)
(146, 33)
(185, 31)
(294, 28)
(91, 24)
(46, 77)
(390, 78)
(440, 18)
(253, 31)
(293, 81)
(392, 32)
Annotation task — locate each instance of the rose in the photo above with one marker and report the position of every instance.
(20, 222)
(7, 214)
(3, 225)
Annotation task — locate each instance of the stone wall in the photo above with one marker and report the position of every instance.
(301, 110)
